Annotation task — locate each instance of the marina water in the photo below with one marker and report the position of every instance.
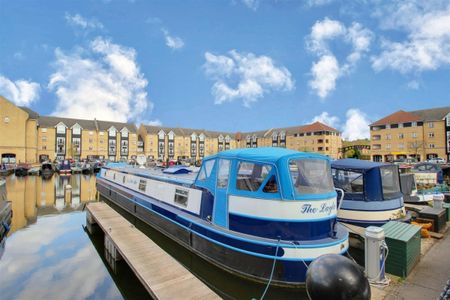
(49, 254)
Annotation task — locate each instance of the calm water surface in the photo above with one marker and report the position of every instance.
(50, 255)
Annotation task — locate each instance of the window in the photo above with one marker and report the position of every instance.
(388, 136)
(431, 146)
(401, 146)
(181, 197)
(413, 135)
(91, 141)
(388, 146)
(430, 125)
(44, 139)
(206, 169)
(414, 124)
(112, 131)
(271, 185)
(400, 135)
(76, 129)
(350, 182)
(448, 120)
(142, 185)
(390, 181)
(91, 133)
(311, 176)
(430, 134)
(223, 173)
(61, 128)
(44, 147)
(124, 132)
(44, 129)
(250, 176)
(101, 133)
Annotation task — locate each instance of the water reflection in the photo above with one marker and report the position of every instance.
(49, 255)
(32, 196)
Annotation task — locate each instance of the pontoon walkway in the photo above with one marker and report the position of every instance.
(161, 274)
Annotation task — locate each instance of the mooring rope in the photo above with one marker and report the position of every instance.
(271, 273)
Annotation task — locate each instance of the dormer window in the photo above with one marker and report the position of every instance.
(61, 128)
(76, 129)
(227, 139)
(112, 132)
(220, 139)
(248, 138)
(282, 135)
(161, 135)
(124, 132)
(202, 137)
(194, 137)
(171, 135)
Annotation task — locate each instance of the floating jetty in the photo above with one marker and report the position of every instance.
(161, 275)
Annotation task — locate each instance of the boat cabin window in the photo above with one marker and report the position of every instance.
(206, 169)
(350, 182)
(311, 176)
(390, 181)
(271, 185)
(251, 176)
(142, 185)
(223, 173)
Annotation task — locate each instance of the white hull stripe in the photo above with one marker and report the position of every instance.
(296, 210)
(370, 215)
(313, 253)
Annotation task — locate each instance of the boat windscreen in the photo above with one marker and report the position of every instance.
(349, 181)
(390, 181)
(311, 176)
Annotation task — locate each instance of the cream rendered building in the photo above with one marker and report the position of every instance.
(420, 134)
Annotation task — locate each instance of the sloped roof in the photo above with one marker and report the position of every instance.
(105, 125)
(433, 114)
(398, 117)
(49, 121)
(31, 113)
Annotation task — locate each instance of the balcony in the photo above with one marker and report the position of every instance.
(376, 137)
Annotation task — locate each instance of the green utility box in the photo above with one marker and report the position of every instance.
(403, 240)
(447, 208)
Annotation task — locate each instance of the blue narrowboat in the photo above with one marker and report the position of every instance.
(244, 210)
(372, 194)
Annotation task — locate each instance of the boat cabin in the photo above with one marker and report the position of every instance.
(372, 194)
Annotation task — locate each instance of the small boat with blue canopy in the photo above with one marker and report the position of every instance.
(372, 194)
(245, 210)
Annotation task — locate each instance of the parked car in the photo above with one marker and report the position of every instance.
(436, 160)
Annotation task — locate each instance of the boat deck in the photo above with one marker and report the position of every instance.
(159, 174)
(161, 274)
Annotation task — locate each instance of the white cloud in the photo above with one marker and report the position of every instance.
(245, 76)
(319, 2)
(325, 73)
(79, 21)
(252, 4)
(427, 46)
(172, 42)
(327, 69)
(21, 92)
(103, 81)
(327, 119)
(356, 125)
(413, 85)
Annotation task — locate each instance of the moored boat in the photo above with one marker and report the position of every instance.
(372, 194)
(47, 169)
(87, 168)
(6, 169)
(64, 167)
(22, 169)
(244, 211)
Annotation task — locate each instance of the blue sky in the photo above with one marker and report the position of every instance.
(226, 65)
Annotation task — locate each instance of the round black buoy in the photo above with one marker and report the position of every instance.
(335, 277)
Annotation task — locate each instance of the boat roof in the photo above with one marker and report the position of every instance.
(356, 164)
(267, 154)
